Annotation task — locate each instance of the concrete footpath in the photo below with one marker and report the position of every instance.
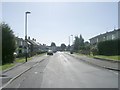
(112, 65)
(19, 69)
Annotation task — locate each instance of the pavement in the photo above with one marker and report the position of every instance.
(108, 64)
(20, 68)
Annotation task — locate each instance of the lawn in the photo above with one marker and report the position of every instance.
(108, 57)
(21, 60)
(6, 66)
(18, 60)
(117, 57)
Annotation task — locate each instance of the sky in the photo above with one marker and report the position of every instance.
(56, 21)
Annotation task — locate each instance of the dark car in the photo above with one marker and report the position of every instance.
(50, 52)
(71, 52)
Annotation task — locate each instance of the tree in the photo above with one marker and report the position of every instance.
(81, 42)
(76, 44)
(87, 48)
(94, 50)
(53, 44)
(8, 44)
(63, 47)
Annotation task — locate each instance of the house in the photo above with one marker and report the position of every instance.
(34, 46)
(112, 35)
(43, 48)
(20, 46)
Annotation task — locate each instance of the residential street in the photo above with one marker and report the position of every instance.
(64, 71)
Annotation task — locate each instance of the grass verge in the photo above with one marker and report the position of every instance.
(6, 66)
(108, 57)
(116, 58)
(21, 60)
(18, 60)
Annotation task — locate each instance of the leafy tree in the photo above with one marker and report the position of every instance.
(76, 44)
(87, 45)
(53, 44)
(63, 46)
(8, 44)
(68, 47)
(81, 42)
(87, 48)
(94, 50)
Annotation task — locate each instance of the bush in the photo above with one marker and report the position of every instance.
(21, 55)
(94, 50)
(111, 47)
(8, 44)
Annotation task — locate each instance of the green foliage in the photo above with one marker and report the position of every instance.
(78, 43)
(111, 47)
(6, 66)
(53, 44)
(21, 55)
(63, 46)
(117, 57)
(94, 50)
(81, 42)
(8, 44)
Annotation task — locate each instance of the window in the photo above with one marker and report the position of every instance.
(113, 36)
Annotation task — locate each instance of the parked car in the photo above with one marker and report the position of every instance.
(50, 52)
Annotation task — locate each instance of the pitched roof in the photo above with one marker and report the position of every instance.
(32, 42)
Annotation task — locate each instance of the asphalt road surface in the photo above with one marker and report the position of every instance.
(64, 71)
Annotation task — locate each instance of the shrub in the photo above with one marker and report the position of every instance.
(94, 50)
(8, 44)
(111, 47)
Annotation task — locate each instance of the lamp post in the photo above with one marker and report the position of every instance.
(72, 39)
(69, 43)
(26, 47)
(69, 40)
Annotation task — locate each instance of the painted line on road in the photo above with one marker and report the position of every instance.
(21, 82)
(11, 80)
(113, 72)
(14, 78)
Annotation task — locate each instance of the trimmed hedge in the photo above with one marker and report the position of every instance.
(111, 47)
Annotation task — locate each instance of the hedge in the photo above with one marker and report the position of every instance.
(111, 47)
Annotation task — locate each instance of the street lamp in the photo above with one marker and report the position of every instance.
(69, 40)
(26, 47)
(72, 39)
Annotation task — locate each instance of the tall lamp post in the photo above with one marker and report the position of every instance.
(72, 39)
(69, 43)
(69, 40)
(26, 47)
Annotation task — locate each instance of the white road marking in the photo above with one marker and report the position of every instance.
(36, 72)
(115, 72)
